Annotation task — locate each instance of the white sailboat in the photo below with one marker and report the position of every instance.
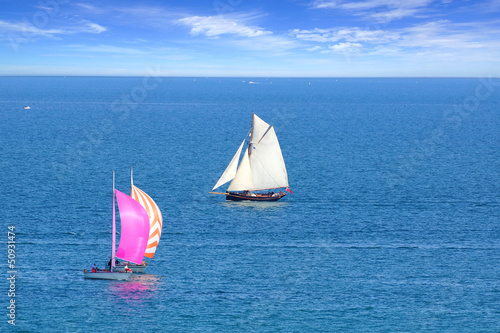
(261, 173)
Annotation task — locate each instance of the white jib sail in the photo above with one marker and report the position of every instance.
(243, 179)
(230, 171)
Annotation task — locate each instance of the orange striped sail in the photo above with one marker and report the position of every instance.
(155, 219)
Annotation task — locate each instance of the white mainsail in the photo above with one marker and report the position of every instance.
(262, 166)
(268, 166)
(259, 128)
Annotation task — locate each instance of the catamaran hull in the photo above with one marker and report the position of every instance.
(257, 197)
(107, 275)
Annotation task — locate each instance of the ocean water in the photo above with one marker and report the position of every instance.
(393, 224)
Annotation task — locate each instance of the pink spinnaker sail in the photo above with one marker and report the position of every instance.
(135, 229)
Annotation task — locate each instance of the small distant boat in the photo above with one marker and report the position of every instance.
(133, 238)
(261, 172)
(27, 107)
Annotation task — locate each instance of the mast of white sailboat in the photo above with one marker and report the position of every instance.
(131, 177)
(250, 137)
(114, 228)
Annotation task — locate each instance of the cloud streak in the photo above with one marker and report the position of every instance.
(110, 49)
(440, 37)
(386, 10)
(27, 29)
(343, 33)
(94, 28)
(215, 26)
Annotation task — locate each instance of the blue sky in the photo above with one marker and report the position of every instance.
(295, 38)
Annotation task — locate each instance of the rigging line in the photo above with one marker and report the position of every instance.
(264, 134)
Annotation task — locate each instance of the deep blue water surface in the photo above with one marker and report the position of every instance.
(393, 226)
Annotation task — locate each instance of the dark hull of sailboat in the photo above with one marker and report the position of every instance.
(257, 197)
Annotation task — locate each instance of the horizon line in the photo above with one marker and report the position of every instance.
(255, 77)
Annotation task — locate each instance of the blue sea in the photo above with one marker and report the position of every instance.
(393, 224)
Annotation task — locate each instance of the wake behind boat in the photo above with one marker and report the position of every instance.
(262, 172)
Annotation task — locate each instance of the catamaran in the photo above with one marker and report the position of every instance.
(133, 238)
(261, 174)
(155, 227)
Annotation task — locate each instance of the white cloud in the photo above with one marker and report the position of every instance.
(394, 14)
(346, 41)
(240, 33)
(444, 35)
(214, 26)
(381, 50)
(386, 10)
(345, 48)
(315, 48)
(372, 4)
(270, 44)
(95, 28)
(140, 16)
(102, 48)
(344, 34)
(25, 29)
(89, 7)
(369, 4)
(472, 40)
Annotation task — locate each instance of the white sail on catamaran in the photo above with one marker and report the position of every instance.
(261, 175)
